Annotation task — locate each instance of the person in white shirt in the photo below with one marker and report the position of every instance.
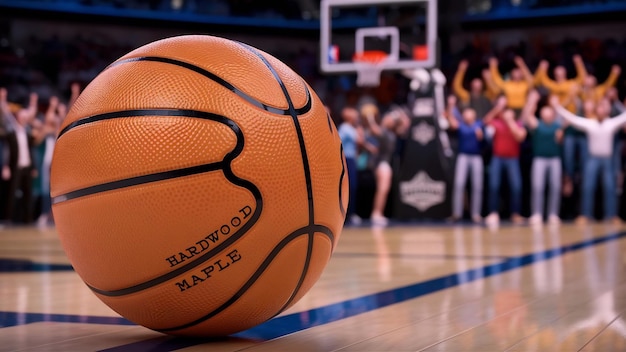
(22, 166)
(600, 134)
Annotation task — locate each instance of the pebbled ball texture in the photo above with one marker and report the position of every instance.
(199, 186)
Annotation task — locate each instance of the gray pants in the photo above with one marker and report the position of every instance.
(541, 168)
(465, 162)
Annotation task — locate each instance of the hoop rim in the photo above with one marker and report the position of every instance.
(370, 57)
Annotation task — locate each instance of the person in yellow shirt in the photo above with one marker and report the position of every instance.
(515, 89)
(561, 86)
(475, 98)
(592, 90)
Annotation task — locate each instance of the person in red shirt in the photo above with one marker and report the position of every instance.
(508, 135)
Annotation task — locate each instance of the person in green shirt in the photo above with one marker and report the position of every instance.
(546, 136)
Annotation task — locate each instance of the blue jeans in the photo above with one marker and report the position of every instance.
(617, 157)
(353, 177)
(604, 165)
(515, 182)
(466, 163)
(543, 168)
(570, 143)
(46, 201)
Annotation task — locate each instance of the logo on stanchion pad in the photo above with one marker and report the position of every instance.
(423, 133)
(422, 192)
(424, 107)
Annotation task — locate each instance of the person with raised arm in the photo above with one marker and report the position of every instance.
(5, 167)
(46, 136)
(546, 134)
(380, 161)
(617, 107)
(21, 158)
(563, 88)
(393, 123)
(468, 160)
(508, 136)
(475, 98)
(600, 133)
(594, 91)
(560, 85)
(516, 89)
(492, 92)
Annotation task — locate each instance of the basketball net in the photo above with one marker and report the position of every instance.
(369, 65)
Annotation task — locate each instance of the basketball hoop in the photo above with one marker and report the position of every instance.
(369, 65)
(409, 41)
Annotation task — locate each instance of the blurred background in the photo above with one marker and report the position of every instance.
(48, 45)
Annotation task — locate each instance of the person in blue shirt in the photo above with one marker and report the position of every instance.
(469, 159)
(351, 137)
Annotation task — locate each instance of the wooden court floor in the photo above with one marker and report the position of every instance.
(401, 288)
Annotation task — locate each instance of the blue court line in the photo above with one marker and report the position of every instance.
(420, 256)
(13, 318)
(27, 252)
(25, 265)
(295, 322)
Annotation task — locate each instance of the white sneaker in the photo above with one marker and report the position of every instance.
(554, 219)
(355, 220)
(535, 219)
(379, 220)
(492, 219)
(42, 221)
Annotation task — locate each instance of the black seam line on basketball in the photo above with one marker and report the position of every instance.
(217, 79)
(160, 176)
(343, 172)
(305, 270)
(234, 179)
(138, 180)
(161, 112)
(257, 274)
(305, 163)
(294, 116)
(330, 127)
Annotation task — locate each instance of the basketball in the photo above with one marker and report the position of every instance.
(198, 186)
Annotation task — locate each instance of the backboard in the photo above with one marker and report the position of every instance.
(400, 34)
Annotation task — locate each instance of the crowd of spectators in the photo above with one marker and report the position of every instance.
(235, 8)
(506, 126)
(49, 65)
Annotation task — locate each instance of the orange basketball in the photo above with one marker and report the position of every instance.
(199, 186)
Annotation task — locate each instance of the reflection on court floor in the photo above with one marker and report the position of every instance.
(395, 288)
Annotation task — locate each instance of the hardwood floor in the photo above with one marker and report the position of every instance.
(401, 288)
